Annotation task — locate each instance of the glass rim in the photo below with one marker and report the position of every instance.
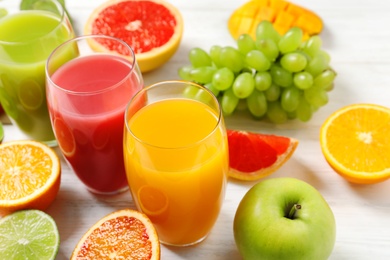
(100, 91)
(155, 85)
(62, 18)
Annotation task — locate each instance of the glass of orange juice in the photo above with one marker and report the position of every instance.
(176, 159)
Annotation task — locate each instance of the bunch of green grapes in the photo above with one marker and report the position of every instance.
(274, 76)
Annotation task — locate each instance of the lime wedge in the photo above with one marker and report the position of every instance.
(30, 235)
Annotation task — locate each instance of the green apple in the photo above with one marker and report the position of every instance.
(284, 218)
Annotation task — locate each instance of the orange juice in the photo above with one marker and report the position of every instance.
(176, 158)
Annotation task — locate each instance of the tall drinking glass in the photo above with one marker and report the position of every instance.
(176, 158)
(87, 93)
(26, 40)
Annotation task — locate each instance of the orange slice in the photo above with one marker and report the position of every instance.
(153, 28)
(253, 155)
(30, 176)
(123, 234)
(355, 142)
(64, 137)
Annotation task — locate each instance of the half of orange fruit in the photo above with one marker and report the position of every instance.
(123, 234)
(30, 174)
(355, 142)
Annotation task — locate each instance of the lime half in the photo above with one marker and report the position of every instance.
(28, 235)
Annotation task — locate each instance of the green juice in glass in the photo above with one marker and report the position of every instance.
(26, 41)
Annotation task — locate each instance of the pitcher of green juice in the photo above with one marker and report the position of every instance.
(27, 37)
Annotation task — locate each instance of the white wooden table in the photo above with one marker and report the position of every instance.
(357, 36)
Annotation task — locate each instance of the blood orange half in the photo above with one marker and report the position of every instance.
(253, 155)
(153, 28)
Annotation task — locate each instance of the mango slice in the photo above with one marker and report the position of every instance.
(283, 14)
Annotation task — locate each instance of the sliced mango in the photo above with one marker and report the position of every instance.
(283, 14)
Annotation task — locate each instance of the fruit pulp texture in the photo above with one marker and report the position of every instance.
(94, 123)
(188, 179)
(26, 41)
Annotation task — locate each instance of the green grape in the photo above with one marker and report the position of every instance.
(304, 110)
(303, 80)
(269, 48)
(190, 91)
(231, 58)
(329, 87)
(245, 43)
(199, 58)
(263, 80)
(325, 78)
(211, 87)
(326, 55)
(292, 115)
(293, 62)
(203, 96)
(312, 45)
(241, 106)
(289, 99)
(202, 75)
(185, 72)
(223, 78)
(229, 102)
(243, 85)
(275, 113)
(257, 103)
(317, 65)
(255, 59)
(291, 40)
(272, 93)
(266, 30)
(316, 96)
(215, 51)
(280, 76)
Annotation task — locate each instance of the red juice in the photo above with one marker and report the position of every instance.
(87, 113)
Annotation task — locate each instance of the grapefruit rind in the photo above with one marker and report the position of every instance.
(151, 231)
(264, 172)
(42, 197)
(154, 58)
(348, 174)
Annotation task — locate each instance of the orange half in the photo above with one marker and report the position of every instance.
(30, 174)
(355, 142)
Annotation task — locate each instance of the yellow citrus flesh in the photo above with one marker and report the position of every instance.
(147, 60)
(355, 142)
(30, 176)
(123, 234)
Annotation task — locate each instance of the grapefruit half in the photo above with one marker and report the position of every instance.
(153, 28)
(253, 155)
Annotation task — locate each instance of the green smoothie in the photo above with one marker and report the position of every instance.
(26, 41)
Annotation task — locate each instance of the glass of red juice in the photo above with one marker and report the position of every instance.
(87, 89)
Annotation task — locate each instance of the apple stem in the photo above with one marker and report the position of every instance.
(293, 211)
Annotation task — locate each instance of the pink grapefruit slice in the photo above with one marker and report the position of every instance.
(153, 28)
(253, 155)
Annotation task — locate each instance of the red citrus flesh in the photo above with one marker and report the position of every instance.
(253, 155)
(153, 28)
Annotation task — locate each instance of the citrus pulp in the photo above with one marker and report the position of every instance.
(153, 28)
(30, 176)
(28, 234)
(123, 234)
(356, 144)
(253, 155)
